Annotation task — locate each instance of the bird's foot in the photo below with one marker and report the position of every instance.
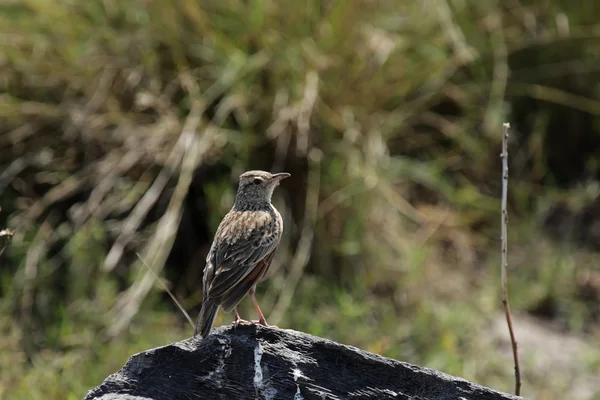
(262, 322)
(238, 321)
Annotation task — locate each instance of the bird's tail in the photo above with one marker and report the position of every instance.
(206, 318)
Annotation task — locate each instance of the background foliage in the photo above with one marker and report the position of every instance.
(124, 125)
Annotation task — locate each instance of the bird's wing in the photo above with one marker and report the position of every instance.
(237, 292)
(240, 247)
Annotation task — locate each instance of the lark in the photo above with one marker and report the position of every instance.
(242, 250)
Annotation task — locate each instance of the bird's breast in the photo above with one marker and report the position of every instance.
(241, 225)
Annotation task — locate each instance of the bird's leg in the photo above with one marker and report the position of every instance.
(237, 320)
(261, 317)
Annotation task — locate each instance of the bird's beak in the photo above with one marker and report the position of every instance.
(280, 176)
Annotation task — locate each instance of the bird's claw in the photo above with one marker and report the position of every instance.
(239, 321)
(262, 322)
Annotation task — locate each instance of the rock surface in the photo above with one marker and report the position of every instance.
(255, 362)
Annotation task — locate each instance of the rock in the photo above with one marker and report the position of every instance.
(256, 362)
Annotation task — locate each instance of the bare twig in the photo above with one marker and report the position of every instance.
(504, 223)
(166, 289)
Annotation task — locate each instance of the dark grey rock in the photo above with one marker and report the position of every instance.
(254, 362)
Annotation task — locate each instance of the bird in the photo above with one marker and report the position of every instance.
(242, 250)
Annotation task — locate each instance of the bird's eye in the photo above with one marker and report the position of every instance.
(257, 181)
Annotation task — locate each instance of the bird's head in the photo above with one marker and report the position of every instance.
(258, 186)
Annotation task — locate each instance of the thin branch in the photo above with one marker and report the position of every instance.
(504, 265)
(166, 289)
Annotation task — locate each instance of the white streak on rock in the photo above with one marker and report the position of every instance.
(296, 373)
(298, 395)
(217, 376)
(258, 373)
(261, 384)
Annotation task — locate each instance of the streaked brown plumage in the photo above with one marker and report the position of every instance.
(242, 249)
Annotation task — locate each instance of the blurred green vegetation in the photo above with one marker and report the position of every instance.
(124, 124)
